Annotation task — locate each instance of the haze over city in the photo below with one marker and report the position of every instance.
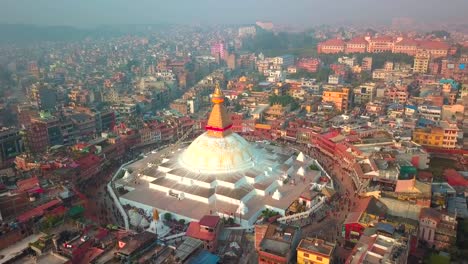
(298, 12)
(233, 132)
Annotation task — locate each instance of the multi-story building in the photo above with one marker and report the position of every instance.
(37, 139)
(335, 79)
(207, 230)
(437, 229)
(247, 31)
(364, 93)
(431, 137)
(349, 61)
(366, 64)
(380, 44)
(125, 109)
(309, 64)
(276, 243)
(331, 46)
(379, 248)
(397, 94)
(314, 250)
(11, 144)
(218, 50)
(454, 68)
(339, 97)
(47, 98)
(180, 106)
(84, 124)
(356, 45)
(284, 61)
(437, 49)
(421, 61)
(406, 46)
(443, 136)
(430, 112)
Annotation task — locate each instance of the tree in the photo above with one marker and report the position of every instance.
(168, 216)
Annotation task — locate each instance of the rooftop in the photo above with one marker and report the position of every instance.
(315, 245)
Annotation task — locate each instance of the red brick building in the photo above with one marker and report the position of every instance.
(356, 45)
(308, 64)
(331, 46)
(207, 230)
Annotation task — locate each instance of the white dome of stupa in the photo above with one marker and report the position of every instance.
(218, 150)
(209, 154)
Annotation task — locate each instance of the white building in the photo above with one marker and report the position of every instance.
(247, 31)
(335, 79)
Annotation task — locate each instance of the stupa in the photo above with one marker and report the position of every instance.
(220, 173)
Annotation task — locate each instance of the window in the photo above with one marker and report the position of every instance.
(306, 255)
(319, 258)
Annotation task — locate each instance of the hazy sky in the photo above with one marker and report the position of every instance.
(294, 12)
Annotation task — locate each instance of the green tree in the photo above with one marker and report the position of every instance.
(168, 216)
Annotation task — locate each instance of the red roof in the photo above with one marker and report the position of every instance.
(58, 211)
(430, 213)
(407, 42)
(209, 220)
(333, 42)
(434, 45)
(89, 161)
(194, 231)
(38, 211)
(404, 186)
(357, 40)
(454, 178)
(90, 254)
(25, 185)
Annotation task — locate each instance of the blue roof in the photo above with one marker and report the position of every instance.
(204, 257)
(387, 228)
(424, 122)
(412, 107)
(454, 84)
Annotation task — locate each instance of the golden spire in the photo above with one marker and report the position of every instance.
(217, 96)
(219, 123)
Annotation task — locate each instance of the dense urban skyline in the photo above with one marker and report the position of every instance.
(301, 13)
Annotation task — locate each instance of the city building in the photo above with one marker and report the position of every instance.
(284, 61)
(218, 50)
(11, 145)
(335, 79)
(331, 46)
(382, 43)
(421, 62)
(180, 106)
(207, 230)
(339, 97)
(47, 98)
(366, 64)
(379, 249)
(247, 31)
(308, 64)
(368, 211)
(365, 93)
(314, 250)
(277, 243)
(356, 45)
(443, 136)
(437, 229)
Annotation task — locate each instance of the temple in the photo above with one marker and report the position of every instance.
(220, 173)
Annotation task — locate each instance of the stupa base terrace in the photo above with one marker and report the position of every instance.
(276, 179)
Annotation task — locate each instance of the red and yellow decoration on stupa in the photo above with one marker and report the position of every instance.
(219, 123)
